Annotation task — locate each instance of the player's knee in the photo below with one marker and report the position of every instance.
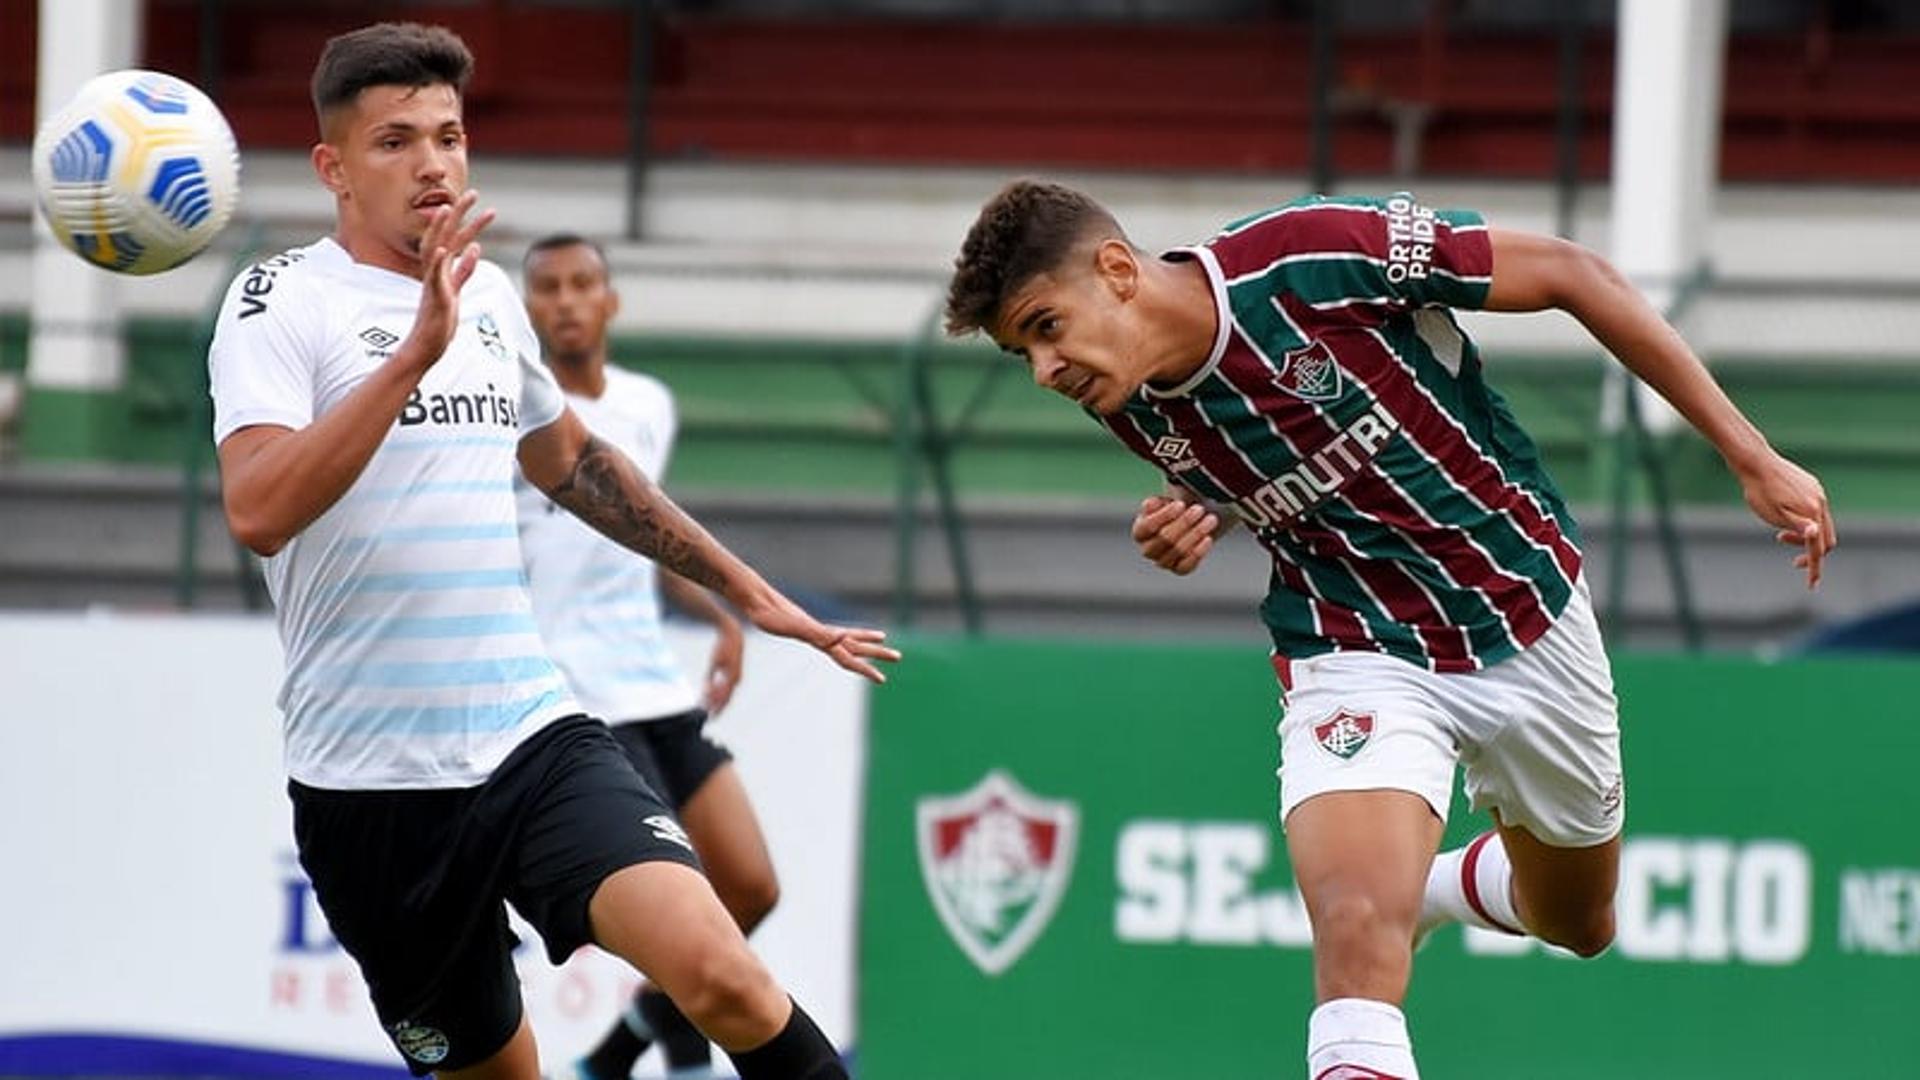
(1587, 936)
(1356, 923)
(749, 897)
(757, 899)
(727, 987)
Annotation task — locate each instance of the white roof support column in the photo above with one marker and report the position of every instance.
(1666, 146)
(75, 340)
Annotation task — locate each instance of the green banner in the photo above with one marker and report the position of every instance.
(1073, 870)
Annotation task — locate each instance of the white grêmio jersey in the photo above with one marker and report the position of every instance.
(413, 660)
(598, 603)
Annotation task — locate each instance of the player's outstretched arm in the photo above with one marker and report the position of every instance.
(596, 482)
(1533, 273)
(729, 645)
(274, 481)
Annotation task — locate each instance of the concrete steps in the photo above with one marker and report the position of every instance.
(75, 537)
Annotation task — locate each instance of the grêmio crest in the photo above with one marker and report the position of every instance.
(997, 860)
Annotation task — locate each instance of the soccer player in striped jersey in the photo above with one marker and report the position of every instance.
(374, 393)
(599, 613)
(1301, 372)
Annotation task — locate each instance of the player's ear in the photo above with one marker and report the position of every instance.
(613, 301)
(1118, 266)
(326, 165)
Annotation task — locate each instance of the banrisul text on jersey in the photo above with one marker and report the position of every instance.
(1343, 417)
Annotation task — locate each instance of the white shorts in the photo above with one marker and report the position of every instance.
(1538, 734)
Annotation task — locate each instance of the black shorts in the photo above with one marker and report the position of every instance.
(412, 881)
(673, 754)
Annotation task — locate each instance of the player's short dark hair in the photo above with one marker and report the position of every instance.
(388, 54)
(556, 241)
(1028, 229)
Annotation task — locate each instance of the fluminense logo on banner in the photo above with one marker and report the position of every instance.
(997, 860)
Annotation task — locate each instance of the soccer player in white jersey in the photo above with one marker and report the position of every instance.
(599, 612)
(372, 393)
(1302, 368)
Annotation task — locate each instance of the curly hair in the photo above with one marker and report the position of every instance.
(1028, 229)
(388, 54)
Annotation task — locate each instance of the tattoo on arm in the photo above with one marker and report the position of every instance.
(607, 492)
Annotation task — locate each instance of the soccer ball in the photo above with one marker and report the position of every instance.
(137, 173)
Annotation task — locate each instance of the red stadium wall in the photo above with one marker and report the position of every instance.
(1210, 97)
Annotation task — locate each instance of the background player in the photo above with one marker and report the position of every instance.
(599, 614)
(1426, 605)
(372, 393)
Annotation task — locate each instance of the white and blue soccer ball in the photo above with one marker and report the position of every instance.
(138, 172)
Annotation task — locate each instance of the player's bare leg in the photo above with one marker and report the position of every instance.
(719, 819)
(1510, 881)
(1563, 896)
(1360, 860)
(518, 1060)
(664, 919)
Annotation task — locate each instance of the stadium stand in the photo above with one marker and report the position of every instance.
(798, 221)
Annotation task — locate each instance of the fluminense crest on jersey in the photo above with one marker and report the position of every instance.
(1310, 373)
(1345, 733)
(997, 860)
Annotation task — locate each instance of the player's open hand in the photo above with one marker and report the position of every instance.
(852, 647)
(449, 251)
(1785, 495)
(1173, 534)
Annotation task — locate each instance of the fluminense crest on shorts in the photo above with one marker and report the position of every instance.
(1345, 733)
(997, 860)
(1310, 373)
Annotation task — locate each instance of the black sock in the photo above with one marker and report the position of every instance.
(613, 1059)
(799, 1052)
(683, 1043)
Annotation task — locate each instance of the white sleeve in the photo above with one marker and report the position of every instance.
(265, 349)
(541, 399)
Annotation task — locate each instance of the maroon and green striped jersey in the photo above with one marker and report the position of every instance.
(1343, 416)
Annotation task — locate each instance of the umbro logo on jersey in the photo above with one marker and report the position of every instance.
(382, 341)
(1173, 450)
(665, 828)
(1345, 733)
(1310, 374)
(1612, 798)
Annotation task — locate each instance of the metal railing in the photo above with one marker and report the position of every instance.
(196, 448)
